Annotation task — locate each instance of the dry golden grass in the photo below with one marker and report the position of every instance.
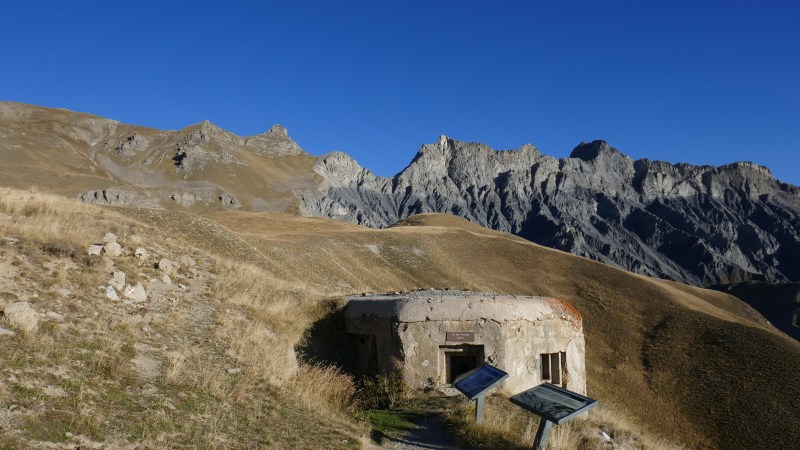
(694, 366)
(51, 219)
(194, 402)
(324, 387)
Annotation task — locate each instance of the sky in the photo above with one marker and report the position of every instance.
(698, 82)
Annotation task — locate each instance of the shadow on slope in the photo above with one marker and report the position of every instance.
(778, 302)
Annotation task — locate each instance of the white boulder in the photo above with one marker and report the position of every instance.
(112, 249)
(135, 293)
(22, 317)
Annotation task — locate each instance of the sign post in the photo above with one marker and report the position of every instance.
(554, 405)
(475, 383)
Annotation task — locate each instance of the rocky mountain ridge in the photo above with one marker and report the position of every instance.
(696, 224)
(98, 160)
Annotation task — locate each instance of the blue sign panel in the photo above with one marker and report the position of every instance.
(477, 381)
(553, 403)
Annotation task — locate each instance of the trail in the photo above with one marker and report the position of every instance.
(430, 434)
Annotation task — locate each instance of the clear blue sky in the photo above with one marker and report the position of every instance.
(698, 82)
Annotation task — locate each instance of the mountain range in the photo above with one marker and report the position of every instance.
(701, 225)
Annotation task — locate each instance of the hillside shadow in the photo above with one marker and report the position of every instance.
(328, 343)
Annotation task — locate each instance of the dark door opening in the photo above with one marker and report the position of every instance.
(461, 364)
(459, 359)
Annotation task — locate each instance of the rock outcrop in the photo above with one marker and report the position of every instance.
(696, 224)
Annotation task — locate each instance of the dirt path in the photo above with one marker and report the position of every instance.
(430, 434)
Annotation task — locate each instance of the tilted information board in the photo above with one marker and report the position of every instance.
(477, 381)
(553, 403)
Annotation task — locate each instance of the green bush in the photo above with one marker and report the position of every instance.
(382, 392)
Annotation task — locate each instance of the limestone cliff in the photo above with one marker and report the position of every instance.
(697, 224)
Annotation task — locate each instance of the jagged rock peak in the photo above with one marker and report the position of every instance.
(207, 125)
(444, 141)
(278, 130)
(595, 149)
(341, 169)
(203, 130)
(748, 165)
(275, 142)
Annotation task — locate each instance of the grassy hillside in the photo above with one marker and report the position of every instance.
(69, 153)
(692, 365)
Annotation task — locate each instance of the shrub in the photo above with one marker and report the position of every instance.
(382, 392)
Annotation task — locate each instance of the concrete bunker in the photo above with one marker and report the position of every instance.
(431, 337)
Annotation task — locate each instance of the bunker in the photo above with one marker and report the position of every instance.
(431, 337)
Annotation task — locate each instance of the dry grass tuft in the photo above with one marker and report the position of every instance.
(324, 387)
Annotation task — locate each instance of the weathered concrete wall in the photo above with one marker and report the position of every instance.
(513, 331)
(513, 346)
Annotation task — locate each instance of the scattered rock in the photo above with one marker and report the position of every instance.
(54, 316)
(109, 237)
(229, 201)
(182, 286)
(95, 249)
(111, 293)
(141, 254)
(135, 293)
(186, 261)
(112, 249)
(54, 391)
(234, 370)
(184, 199)
(118, 281)
(167, 266)
(10, 240)
(5, 332)
(166, 279)
(21, 316)
(64, 292)
(146, 366)
(115, 196)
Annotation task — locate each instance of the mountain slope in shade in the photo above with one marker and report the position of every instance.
(779, 303)
(696, 224)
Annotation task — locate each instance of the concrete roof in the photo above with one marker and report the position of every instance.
(436, 305)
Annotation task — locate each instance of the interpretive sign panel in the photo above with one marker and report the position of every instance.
(553, 403)
(460, 336)
(477, 381)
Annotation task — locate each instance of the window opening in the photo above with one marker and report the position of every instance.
(554, 368)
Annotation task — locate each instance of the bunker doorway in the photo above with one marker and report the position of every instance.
(457, 359)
